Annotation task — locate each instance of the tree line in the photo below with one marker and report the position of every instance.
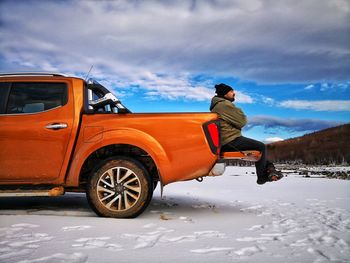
(325, 147)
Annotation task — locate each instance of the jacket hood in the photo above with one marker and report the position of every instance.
(215, 100)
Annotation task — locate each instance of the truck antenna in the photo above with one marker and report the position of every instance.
(87, 75)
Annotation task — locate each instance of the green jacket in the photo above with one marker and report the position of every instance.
(232, 119)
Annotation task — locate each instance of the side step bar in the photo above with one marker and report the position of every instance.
(56, 191)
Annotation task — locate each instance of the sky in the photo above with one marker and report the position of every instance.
(288, 61)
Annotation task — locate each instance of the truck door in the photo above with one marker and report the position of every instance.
(35, 128)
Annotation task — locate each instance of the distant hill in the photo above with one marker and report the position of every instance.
(329, 146)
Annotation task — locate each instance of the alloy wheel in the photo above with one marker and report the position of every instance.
(118, 189)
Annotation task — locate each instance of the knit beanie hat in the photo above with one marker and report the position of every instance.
(222, 89)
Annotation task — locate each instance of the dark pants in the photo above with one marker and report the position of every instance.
(243, 144)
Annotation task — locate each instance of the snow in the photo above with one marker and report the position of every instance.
(223, 219)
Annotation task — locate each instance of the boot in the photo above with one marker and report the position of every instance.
(272, 173)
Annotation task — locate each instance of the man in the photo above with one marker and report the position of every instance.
(232, 120)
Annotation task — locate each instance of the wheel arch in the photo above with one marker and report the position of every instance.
(117, 142)
(124, 150)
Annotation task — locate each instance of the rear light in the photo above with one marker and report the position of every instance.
(212, 133)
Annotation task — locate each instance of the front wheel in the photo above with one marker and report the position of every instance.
(120, 187)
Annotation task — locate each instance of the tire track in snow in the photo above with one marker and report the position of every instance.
(20, 240)
(163, 235)
(318, 229)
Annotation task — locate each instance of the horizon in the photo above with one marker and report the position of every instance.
(311, 133)
(288, 62)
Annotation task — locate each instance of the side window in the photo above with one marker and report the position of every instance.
(4, 93)
(31, 97)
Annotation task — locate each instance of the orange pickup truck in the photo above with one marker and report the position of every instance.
(60, 134)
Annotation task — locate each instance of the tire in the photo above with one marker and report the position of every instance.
(119, 187)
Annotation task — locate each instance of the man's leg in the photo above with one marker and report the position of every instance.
(243, 144)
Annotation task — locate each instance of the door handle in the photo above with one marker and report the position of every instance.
(56, 126)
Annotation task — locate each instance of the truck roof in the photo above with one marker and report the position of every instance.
(24, 74)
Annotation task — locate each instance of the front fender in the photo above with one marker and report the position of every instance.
(110, 137)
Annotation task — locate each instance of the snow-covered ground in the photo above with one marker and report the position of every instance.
(223, 219)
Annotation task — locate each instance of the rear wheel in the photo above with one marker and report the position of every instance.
(120, 187)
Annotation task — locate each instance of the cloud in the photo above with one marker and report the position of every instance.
(309, 87)
(293, 125)
(173, 88)
(263, 41)
(325, 87)
(164, 86)
(273, 139)
(338, 87)
(267, 100)
(329, 87)
(321, 105)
